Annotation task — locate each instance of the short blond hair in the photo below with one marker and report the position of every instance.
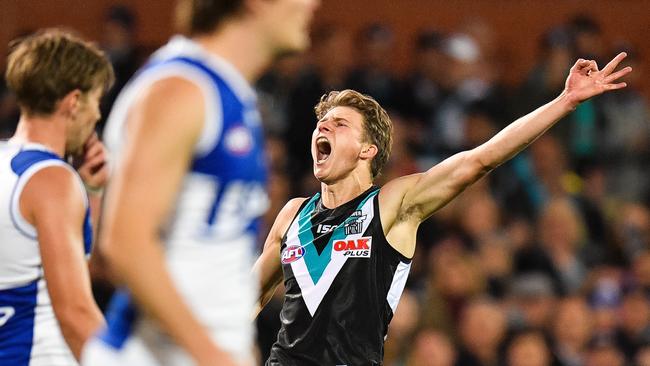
(377, 124)
(42, 68)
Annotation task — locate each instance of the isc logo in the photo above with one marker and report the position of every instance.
(292, 253)
(357, 248)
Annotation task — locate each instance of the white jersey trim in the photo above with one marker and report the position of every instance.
(212, 123)
(20, 222)
(179, 46)
(397, 286)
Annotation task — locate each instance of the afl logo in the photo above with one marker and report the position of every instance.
(239, 140)
(292, 253)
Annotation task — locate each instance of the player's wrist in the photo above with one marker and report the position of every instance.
(568, 101)
(93, 190)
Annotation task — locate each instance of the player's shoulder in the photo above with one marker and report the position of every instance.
(174, 91)
(57, 180)
(287, 214)
(291, 208)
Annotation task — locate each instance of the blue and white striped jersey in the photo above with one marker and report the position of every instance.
(29, 331)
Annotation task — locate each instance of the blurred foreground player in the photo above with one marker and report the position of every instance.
(189, 187)
(47, 311)
(346, 251)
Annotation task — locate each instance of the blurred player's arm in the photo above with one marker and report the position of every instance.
(268, 267)
(416, 197)
(163, 128)
(53, 203)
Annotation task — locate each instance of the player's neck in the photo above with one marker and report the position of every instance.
(343, 191)
(46, 131)
(246, 50)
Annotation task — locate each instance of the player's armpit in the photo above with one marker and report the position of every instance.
(52, 202)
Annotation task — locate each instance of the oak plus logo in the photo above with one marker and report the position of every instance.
(354, 248)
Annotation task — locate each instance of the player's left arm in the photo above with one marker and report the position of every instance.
(52, 202)
(418, 196)
(268, 268)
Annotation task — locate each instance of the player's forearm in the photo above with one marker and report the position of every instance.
(79, 322)
(522, 132)
(140, 265)
(270, 274)
(95, 204)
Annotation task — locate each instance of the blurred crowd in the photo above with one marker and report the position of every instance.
(546, 261)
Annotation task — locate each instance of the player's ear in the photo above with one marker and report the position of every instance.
(69, 104)
(368, 151)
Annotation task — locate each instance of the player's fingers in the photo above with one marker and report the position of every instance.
(611, 66)
(617, 75)
(94, 162)
(93, 150)
(580, 64)
(615, 86)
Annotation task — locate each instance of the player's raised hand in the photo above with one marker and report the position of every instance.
(93, 168)
(585, 80)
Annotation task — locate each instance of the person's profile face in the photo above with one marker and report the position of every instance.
(83, 122)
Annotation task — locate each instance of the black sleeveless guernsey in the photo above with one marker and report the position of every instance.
(343, 282)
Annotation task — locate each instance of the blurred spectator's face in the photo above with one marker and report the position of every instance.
(379, 53)
(455, 274)
(116, 36)
(605, 356)
(641, 268)
(559, 226)
(431, 63)
(528, 350)
(558, 60)
(482, 326)
(572, 324)
(335, 53)
(480, 217)
(479, 128)
(635, 313)
(642, 357)
(495, 257)
(589, 45)
(537, 310)
(432, 348)
(548, 157)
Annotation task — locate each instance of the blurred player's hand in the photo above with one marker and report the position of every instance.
(585, 80)
(93, 167)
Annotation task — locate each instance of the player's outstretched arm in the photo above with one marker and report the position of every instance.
(268, 267)
(163, 128)
(418, 196)
(52, 201)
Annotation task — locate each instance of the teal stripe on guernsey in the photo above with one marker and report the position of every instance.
(316, 263)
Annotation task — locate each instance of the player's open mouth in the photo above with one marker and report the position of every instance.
(323, 149)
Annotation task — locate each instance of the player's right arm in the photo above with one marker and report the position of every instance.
(162, 130)
(268, 267)
(52, 202)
